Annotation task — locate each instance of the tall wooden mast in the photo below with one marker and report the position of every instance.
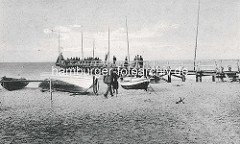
(196, 42)
(127, 42)
(93, 47)
(82, 44)
(108, 45)
(59, 46)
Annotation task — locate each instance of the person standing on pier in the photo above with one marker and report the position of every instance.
(126, 63)
(141, 61)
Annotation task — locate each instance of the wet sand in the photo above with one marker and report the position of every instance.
(210, 114)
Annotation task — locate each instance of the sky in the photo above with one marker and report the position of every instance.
(158, 29)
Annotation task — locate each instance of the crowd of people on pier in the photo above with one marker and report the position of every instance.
(97, 62)
(138, 61)
(77, 61)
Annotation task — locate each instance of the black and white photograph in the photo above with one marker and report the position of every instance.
(119, 71)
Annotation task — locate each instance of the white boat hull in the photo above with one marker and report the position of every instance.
(72, 83)
(135, 83)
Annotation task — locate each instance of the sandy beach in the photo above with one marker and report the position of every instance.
(210, 114)
(191, 47)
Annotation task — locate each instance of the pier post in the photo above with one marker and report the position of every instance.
(183, 78)
(196, 76)
(169, 78)
(213, 78)
(235, 77)
(221, 77)
(201, 75)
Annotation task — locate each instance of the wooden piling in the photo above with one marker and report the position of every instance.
(221, 77)
(199, 76)
(213, 78)
(183, 78)
(169, 78)
(196, 76)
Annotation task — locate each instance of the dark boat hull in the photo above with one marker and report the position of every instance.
(154, 79)
(13, 84)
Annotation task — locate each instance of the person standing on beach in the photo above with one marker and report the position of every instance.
(115, 76)
(108, 79)
(115, 82)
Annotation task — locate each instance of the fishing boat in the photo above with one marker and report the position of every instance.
(69, 83)
(13, 83)
(135, 83)
(130, 82)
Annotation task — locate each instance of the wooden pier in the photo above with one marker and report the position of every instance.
(166, 73)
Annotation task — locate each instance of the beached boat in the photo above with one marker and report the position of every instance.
(69, 83)
(135, 83)
(130, 82)
(13, 83)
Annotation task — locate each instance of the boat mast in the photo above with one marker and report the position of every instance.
(108, 44)
(82, 44)
(127, 42)
(59, 47)
(3, 55)
(93, 47)
(195, 54)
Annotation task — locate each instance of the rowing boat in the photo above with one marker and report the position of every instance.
(13, 83)
(69, 83)
(135, 83)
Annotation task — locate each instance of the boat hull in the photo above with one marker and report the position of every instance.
(135, 84)
(68, 83)
(13, 83)
(154, 79)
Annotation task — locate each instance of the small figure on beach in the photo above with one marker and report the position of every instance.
(115, 77)
(115, 83)
(108, 79)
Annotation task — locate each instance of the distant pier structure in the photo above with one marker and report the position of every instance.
(157, 71)
(217, 72)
